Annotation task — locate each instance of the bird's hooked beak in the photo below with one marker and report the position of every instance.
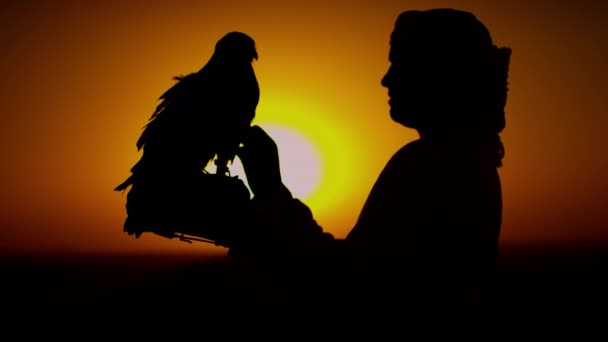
(255, 54)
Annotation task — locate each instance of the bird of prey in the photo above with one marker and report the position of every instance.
(201, 118)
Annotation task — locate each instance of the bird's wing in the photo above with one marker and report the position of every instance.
(173, 101)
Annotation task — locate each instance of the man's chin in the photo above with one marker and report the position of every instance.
(401, 117)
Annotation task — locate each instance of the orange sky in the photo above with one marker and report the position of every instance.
(80, 79)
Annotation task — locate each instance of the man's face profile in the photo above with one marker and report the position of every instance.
(404, 81)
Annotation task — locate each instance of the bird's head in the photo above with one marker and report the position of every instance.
(236, 45)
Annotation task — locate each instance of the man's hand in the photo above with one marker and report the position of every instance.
(259, 155)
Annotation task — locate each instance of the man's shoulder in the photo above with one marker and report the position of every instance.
(412, 150)
(404, 160)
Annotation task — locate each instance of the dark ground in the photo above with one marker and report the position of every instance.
(540, 292)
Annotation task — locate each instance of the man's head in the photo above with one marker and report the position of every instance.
(445, 72)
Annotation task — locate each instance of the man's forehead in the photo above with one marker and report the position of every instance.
(413, 50)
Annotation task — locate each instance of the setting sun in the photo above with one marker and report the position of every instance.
(301, 164)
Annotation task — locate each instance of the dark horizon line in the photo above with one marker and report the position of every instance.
(507, 248)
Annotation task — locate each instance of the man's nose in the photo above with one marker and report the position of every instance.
(386, 78)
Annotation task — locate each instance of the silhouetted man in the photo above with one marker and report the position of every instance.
(426, 240)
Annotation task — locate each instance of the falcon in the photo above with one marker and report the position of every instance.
(201, 119)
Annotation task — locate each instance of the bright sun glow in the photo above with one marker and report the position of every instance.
(318, 153)
(300, 160)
